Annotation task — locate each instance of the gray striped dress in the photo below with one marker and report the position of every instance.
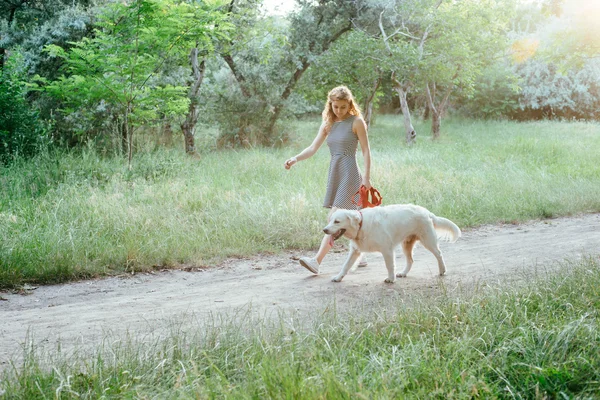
(344, 177)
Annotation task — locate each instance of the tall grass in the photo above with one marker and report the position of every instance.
(536, 340)
(72, 215)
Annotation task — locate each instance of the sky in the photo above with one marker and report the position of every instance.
(279, 7)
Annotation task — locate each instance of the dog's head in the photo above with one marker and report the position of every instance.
(343, 222)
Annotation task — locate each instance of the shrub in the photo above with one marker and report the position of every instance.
(22, 133)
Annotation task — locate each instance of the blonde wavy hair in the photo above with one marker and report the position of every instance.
(338, 93)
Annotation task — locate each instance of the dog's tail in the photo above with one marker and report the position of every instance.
(448, 229)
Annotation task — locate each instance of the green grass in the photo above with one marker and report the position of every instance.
(537, 339)
(75, 215)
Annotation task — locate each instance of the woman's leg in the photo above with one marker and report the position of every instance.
(312, 263)
(326, 243)
(324, 248)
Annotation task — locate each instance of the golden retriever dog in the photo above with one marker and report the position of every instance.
(382, 229)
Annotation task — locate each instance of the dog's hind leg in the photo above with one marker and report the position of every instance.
(390, 264)
(407, 247)
(353, 256)
(430, 242)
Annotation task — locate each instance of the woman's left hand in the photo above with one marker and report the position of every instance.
(366, 183)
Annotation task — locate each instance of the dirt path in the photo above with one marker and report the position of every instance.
(82, 313)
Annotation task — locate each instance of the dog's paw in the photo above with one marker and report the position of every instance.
(401, 275)
(337, 279)
(388, 280)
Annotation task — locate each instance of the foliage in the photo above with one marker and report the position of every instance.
(572, 36)
(26, 14)
(267, 58)
(464, 37)
(271, 67)
(80, 214)
(240, 103)
(495, 94)
(552, 79)
(548, 92)
(534, 89)
(29, 25)
(22, 132)
(69, 24)
(116, 70)
(355, 61)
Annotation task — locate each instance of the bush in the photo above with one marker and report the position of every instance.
(243, 120)
(496, 94)
(22, 133)
(554, 93)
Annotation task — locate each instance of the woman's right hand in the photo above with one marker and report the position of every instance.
(289, 162)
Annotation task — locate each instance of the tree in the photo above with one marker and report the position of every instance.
(464, 37)
(549, 70)
(546, 91)
(242, 87)
(23, 21)
(22, 133)
(267, 66)
(355, 61)
(119, 65)
(573, 35)
(189, 124)
(203, 45)
(441, 46)
(313, 29)
(495, 94)
(403, 28)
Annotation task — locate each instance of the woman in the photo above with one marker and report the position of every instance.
(343, 128)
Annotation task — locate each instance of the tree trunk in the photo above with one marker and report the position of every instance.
(410, 134)
(409, 131)
(124, 144)
(167, 133)
(369, 102)
(285, 95)
(368, 113)
(239, 77)
(436, 111)
(426, 111)
(191, 119)
(436, 122)
(129, 135)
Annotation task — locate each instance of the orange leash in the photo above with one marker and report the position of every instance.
(367, 197)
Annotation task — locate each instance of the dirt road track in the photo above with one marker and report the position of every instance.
(82, 313)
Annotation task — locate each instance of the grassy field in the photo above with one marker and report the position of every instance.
(75, 215)
(539, 339)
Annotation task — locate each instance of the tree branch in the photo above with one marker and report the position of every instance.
(237, 74)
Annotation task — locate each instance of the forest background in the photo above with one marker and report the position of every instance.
(231, 73)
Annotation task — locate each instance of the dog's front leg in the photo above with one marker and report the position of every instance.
(353, 256)
(390, 264)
